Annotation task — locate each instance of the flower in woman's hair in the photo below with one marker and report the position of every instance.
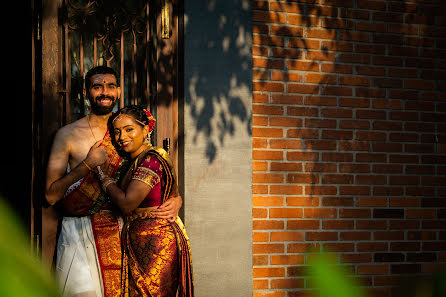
(152, 120)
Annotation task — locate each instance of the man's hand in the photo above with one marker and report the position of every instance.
(169, 209)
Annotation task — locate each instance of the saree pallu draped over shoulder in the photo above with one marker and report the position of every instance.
(157, 257)
(87, 199)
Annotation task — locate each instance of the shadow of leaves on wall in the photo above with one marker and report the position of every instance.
(219, 71)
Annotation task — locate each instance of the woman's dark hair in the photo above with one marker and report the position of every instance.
(133, 110)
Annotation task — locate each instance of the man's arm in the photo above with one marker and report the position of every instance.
(57, 181)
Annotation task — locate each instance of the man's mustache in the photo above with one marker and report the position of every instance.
(105, 97)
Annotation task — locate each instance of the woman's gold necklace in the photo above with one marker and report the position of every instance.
(91, 130)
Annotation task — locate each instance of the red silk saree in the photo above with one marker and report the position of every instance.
(156, 258)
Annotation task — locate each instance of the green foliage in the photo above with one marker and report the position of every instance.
(21, 273)
(332, 279)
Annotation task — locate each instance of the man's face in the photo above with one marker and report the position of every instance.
(103, 93)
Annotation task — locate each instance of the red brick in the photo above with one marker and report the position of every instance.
(261, 284)
(285, 76)
(302, 111)
(302, 133)
(354, 145)
(354, 124)
(259, 213)
(337, 179)
(286, 99)
(267, 63)
(267, 109)
(285, 190)
(260, 260)
(260, 16)
(337, 201)
(320, 190)
(388, 235)
(286, 30)
(354, 168)
(303, 224)
(302, 156)
(259, 143)
(336, 68)
(302, 178)
(373, 269)
(320, 213)
(338, 247)
(276, 166)
(266, 248)
(354, 190)
(259, 98)
(320, 167)
(267, 178)
(287, 283)
(320, 145)
(303, 247)
(321, 236)
(354, 102)
(287, 259)
(259, 120)
(338, 224)
(268, 201)
(267, 224)
(354, 213)
(267, 155)
(371, 224)
(354, 235)
(287, 236)
(336, 91)
(259, 189)
(337, 112)
(337, 157)
(285, 212)
(302, 201)
(302, 88)
(285, 144)
(320, 123)
(268, 86)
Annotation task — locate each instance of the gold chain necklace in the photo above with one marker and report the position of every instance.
(91, 130)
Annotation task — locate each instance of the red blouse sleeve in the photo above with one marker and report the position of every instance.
(149, 171)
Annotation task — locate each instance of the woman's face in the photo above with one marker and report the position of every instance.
(130, 135)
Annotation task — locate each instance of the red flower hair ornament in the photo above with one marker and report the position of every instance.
(152, 120)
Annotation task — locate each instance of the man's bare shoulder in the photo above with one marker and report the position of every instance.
(71, 131)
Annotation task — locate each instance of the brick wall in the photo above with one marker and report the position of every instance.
(349, 140)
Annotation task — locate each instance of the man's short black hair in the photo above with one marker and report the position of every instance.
(98, 70)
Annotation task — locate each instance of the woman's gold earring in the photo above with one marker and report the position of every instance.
(147, 139)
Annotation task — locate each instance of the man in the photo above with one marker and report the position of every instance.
(88, 247)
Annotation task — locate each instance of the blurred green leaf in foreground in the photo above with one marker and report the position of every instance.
(21, 273)
(332, 279)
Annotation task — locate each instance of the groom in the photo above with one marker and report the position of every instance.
(88, 248)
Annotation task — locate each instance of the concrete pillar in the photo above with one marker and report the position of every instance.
(217, 145)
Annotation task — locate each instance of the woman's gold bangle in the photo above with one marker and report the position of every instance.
(86, 165)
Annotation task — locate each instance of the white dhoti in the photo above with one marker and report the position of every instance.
(77, 265)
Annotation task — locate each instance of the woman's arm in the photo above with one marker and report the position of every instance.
(130, 199)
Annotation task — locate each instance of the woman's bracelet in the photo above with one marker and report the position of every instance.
(106, 182)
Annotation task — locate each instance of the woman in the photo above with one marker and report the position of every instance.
(156, 253)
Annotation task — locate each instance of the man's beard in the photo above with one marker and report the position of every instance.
(101, 110)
